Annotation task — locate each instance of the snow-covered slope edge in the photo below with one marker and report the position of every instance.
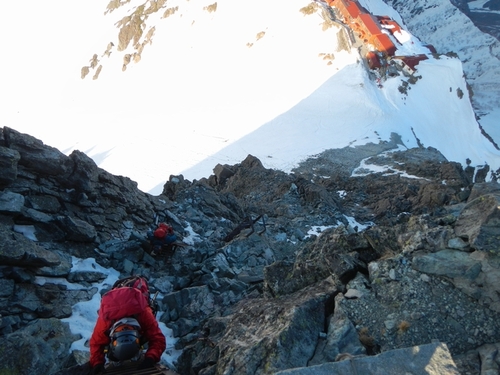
(449, 30)
(215, 84)
(351, 109)
(355, 111)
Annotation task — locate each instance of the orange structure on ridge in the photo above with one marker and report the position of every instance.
(373, 30)
(364, 24)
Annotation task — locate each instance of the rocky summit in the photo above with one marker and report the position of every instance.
(364, 260)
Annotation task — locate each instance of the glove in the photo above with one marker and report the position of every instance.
(147, 363)
(97, 369)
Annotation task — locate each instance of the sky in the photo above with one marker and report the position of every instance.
(213, 87)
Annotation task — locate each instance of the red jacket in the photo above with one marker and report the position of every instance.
(149, 329)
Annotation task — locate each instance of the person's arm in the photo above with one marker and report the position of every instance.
(98, 342)
(153, 335)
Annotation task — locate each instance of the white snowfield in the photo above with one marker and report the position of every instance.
(214, 86)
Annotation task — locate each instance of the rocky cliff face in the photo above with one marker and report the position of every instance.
(333, 267)
(485, 17)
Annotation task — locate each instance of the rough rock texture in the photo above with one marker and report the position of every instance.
(278, 271)
(480, 219)
(430, 359)
(38, 348)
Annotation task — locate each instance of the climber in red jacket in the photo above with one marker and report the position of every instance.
(161, 236)
(125, 322)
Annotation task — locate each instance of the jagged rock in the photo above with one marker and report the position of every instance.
(387, 242)
(275, 278)
(457, 243)
(8, 165)
(341, 337)
(163, 284)
(331, 254)
(190, 303)
(36, 156)
(414, 304)
(77, 230)
(430, 359)
(222, 173)
(174, 184)
(479, 189)
(265, 335)
(124, 250)
(478, 222)
(61, 270)
(222, 285)
(37, 216)
(205, 200)
(449, 263)
(477, 274)
(6, 288)
(259, 188)
(48, 204)
(35, 301)
(17, 250)
(315, 194)
(85, 175)
(39, 348)
(489, 359)
(11, 203)
(87, 277)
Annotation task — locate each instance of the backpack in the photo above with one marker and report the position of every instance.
(160, 233)
(136, 281)
(163, 230)
(128, 297)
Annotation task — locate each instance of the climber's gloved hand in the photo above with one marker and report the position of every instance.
(147, 363)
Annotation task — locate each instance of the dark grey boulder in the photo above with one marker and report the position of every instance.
(429, 359)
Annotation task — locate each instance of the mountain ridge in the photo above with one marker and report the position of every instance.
(277, 68)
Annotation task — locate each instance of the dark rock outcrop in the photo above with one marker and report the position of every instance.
(337, 261)
(431, 359)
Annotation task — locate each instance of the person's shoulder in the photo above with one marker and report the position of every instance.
(147, 313)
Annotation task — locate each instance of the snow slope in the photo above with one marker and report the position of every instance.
(449, 30)
(265, 78)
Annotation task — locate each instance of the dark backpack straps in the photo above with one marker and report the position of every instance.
(129, 281)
